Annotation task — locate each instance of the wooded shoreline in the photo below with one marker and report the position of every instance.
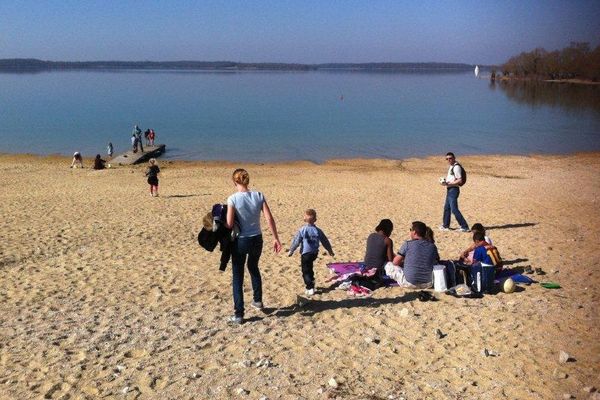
(35, 65)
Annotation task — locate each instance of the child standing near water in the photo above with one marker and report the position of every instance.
(152, 173)
(308, 238)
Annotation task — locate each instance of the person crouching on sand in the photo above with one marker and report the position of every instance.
(77, 160)
(152, 173)
(308, 238)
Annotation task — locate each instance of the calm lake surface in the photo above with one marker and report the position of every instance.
(274, 116)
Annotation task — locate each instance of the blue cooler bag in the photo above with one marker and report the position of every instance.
(482, 278)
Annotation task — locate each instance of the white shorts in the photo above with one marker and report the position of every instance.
(397, 274)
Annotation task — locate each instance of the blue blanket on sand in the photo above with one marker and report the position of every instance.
(514, 275)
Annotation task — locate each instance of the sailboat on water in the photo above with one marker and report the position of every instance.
(477, 71)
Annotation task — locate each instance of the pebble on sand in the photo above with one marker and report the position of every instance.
(372, 340)
(559, 374)
(564, 357)
(333, 383)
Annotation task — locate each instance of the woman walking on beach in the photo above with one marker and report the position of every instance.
(244, 206)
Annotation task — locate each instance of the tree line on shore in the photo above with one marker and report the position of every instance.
(35, 65)
(577, 61)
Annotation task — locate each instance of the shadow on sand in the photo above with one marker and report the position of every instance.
(515, 261)
(315, 306)
(509, 226)
(178, 196)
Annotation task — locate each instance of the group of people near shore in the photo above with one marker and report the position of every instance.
(77, 161)
(136, 138)
(410, 267)
(152, 170)
(136, 141)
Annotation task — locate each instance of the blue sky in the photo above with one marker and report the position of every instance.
(485, 32)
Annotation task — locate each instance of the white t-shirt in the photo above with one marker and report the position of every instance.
(248, 206)
(457, 173)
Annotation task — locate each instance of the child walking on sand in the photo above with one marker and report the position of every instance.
(152, 173)
(308, 238)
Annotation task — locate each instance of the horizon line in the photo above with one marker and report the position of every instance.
(242, 62)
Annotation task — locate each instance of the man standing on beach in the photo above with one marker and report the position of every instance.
(453, 181)
(137, 132)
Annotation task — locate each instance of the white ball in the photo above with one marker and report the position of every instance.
(509, 285)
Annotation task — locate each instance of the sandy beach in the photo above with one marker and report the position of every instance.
(105, 293)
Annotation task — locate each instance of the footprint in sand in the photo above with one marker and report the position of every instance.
(135, 353)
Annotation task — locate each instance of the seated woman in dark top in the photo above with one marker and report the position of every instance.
(99, 162)
(380, 248)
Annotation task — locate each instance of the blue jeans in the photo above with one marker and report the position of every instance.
(307, 263)
(451, 205)
(242, 248)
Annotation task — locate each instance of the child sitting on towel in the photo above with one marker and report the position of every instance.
(308, 238)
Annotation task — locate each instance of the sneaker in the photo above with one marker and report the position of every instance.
(465, 230)
(310, 292)
(257, 304)
(235, 320)
(444, 228)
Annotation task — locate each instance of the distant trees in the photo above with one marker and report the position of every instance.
(577, 61)
(34, 65)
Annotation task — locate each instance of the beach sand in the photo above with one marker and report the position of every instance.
(105, 293)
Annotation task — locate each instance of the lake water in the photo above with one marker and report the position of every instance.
(273, 116)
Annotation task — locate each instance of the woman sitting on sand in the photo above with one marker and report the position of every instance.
(245, 206)
(380, 248)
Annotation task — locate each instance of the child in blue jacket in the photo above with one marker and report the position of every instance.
(308, 238)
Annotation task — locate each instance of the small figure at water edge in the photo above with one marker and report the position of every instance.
(152, 173)
(109, 149)
(77, 160)
(134, 143)
(99, 163)
(137, 132)
(151, 136)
